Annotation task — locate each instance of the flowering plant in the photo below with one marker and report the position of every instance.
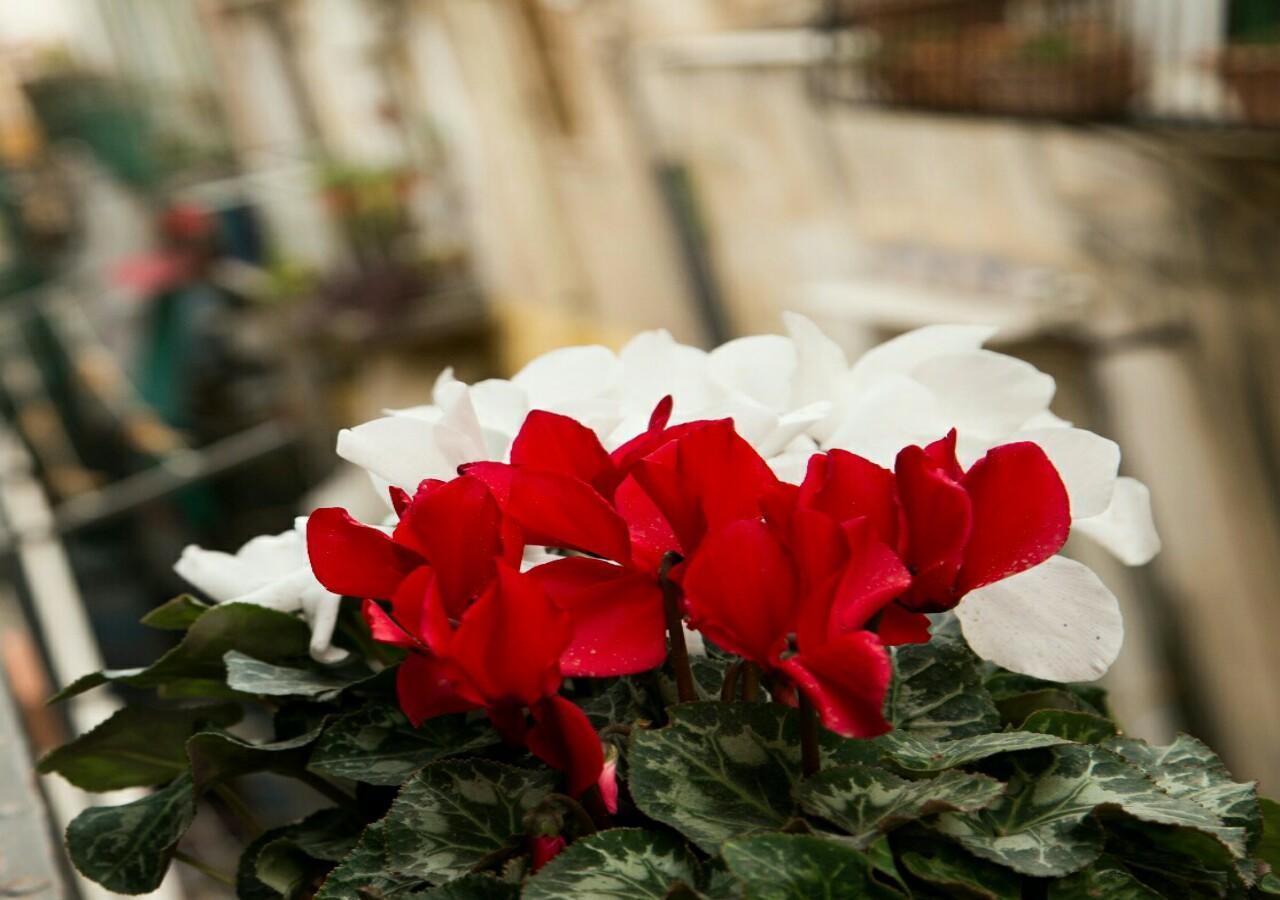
(752, 622)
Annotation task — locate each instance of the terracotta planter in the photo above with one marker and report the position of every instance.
(1095, 82)
(1253, 74)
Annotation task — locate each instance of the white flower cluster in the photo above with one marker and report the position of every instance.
(790, 396)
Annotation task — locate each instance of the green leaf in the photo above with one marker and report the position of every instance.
(622, 863)
(137, 746)
(1044, 827)
(300, 854)
(472, 887)
(958, 874)
(1268, 848)
(258, 632)
(216, 755)
(1022, 695)
(455, 814)
(1106, 879)
(378, 745)
(364, 871)
(1074, 725)
(127, 848)
(177, 614)
(800, 867)
(937, 691)
(253, 676)
(623, 702)
(866, 802)
(921, 755)
(717, 770)
(248, 885)
(1190, 771)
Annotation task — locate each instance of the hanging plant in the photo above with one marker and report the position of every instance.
(753, 623)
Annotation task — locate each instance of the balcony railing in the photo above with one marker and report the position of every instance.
(1199, 62)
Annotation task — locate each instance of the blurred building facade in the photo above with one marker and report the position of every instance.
(702, 165)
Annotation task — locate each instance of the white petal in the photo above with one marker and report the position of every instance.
(1056, 621)
(790, 426)
(1126, 528)
(791, 466)
(820, 361)
(986, 393)
(398, 449)
(654, 365)
(902, 354)
(500, 405)
(219, 575)
(321, 609)
(282, 594)
(762, 366)
(1087, 462)
(892, 414)
(559, 380)
(445, 386)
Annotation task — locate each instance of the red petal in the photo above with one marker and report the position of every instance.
(873, 578)
(426, 690)
(509, 642)
(1021, 514)
(651, 533)
(558, 511)
(899, 625)
(496, 477)
(353, 559)
(619, 626)
(400, 499)
(846, 681)
(741, 591)
(846, 486)
(456, 527)
(555, 443)
(942, 453)
(564, 739)
(545, 848)
(726, 473)
(384, 628)
(939, 518)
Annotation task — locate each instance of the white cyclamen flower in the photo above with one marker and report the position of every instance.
(791, 396)
(270, 571)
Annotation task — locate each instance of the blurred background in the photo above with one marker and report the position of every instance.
(230, 227)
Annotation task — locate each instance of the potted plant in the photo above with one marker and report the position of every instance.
(1251, 63)
(674, 624)
(1064, 73)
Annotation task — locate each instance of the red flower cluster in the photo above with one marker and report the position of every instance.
(807, 582)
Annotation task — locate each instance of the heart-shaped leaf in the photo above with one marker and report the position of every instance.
(264, 634)
(916, 754)
(622, 863)
(1044, 826)
(137, 746)
(455, 814)
(717, 770)
(127, 848)
(937, 691)
(1073, 725)
(177, 614)
(364, 872)
(216, 755)
(1105, 878)
(958, 874)
(865, 802)
(378, 745)
(253, 676)
(799, 867)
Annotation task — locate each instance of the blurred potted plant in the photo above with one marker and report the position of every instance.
(1066, 73)
(1250, 65)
